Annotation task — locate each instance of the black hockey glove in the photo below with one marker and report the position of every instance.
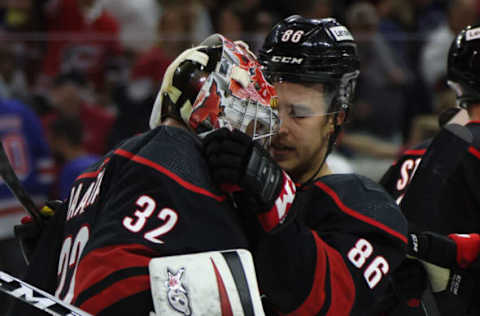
(433, 248)
(237, 162)
(28, 232)
(409, 281)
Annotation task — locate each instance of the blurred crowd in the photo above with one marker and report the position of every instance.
(97, 64)
(87, 72)
(89, 69)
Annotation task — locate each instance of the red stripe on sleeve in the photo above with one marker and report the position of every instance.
(116, 293)
(342, 285)
(415, 152)
(357, 215)
(316, 299)
(93, 174)
(474, 152)
(168, 173)
(100, 263)
(342, 288)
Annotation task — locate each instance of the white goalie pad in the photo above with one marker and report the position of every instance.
(208, 283)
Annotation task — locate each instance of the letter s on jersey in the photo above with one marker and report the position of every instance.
(146, 207)
(407, 171)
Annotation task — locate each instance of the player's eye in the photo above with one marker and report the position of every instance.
(299, 111)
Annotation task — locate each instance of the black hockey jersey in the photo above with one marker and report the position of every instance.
(150, 197)
(335, 257)
(459, 199)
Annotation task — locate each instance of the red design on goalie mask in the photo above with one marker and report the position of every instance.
(206, 107)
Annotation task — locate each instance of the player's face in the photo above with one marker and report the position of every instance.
(302, 142)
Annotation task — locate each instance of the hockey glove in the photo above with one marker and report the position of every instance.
(237, 162)
(28, 232)
(409, 281)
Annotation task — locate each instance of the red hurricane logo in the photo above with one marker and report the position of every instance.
(207, 106)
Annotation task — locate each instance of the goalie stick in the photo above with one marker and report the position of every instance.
(36, 297)
(420, 203)
(15, 186)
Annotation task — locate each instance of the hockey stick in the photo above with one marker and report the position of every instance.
(15, 186)
(420, 203)
(36, 297)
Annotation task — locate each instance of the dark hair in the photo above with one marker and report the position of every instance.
(69, 128)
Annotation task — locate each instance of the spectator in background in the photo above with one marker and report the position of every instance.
(21, 46)
(434, 55)
(23, 140)
(138, 22)
(83, 36)
(13, 82)
(134, 99)
(405, 25)
(229, 21)
(182, 22)
(315, 9)
(71, 98)
(66, 141)
(381, 99)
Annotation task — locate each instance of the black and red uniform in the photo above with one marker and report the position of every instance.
(459, 199)
(150, 197)
(336, 256)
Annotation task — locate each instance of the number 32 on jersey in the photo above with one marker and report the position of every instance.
(146, 207)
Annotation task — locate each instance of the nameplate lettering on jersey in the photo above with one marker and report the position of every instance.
(86, 197)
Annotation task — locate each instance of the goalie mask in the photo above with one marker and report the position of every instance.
(463, 70)
(217, 84)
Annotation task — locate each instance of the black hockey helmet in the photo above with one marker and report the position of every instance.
(313, 51)
(463, 70)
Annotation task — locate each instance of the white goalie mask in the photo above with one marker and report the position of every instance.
(218, 84)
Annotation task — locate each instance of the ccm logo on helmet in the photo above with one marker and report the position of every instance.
(287, 60)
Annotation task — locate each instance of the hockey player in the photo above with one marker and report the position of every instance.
(152, 196)
(458, 201)
(461, 192)
(327, 245)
